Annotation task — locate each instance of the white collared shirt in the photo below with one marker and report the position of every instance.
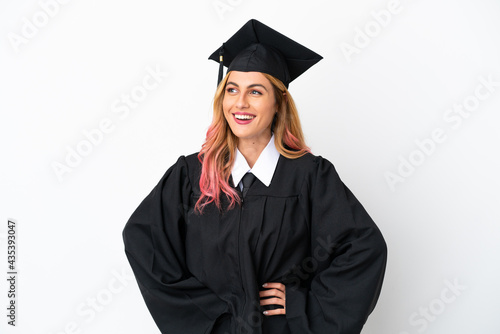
(263, 168)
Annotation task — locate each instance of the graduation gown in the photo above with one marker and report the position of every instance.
(203, 273)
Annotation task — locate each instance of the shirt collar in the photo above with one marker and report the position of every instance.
(264, 166)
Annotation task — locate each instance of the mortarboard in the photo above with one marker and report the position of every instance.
(259, 48)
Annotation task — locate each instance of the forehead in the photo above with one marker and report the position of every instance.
(248, 78)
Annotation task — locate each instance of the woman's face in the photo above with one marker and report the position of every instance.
(249, 106)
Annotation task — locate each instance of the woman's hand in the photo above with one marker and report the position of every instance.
(274, 295)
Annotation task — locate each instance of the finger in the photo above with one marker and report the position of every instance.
(272, 293)
(274, 285)
(278, 311)
(273, 301)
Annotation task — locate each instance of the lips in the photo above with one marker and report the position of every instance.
(243, 118)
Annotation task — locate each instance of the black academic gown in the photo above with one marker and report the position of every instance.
(202, 273)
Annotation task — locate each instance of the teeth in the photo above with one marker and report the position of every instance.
(244, 116)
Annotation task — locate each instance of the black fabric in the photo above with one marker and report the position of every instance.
(256, 47)
(203, 273)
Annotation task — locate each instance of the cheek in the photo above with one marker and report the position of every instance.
(226, 106)
(225, 115)
(224, 109)
(268, 111)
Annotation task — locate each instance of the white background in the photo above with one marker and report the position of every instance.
(364, 112)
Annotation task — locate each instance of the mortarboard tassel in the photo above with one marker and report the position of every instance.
(221, 63)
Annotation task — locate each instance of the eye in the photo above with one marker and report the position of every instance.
(231, 90)
(255, 92)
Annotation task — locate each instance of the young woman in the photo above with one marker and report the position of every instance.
(254, 234)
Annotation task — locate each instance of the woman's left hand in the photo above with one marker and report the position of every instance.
(274, 295)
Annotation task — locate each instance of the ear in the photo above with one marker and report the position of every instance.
(286, 97)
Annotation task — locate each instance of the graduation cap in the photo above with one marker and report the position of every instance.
(259, 48)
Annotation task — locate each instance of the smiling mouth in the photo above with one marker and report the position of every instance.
(244, 117)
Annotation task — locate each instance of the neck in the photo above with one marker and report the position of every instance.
(252, 148)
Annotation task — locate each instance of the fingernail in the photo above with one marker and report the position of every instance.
(265, 312)
(264, 285)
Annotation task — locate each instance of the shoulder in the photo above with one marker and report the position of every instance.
(189, 168)
(184, 168)
(317, 170)
(303, 174)
(193, 165)
(187, 161)
(309, 163)
(192, 160)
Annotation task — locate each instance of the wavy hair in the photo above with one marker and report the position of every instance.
(218, 151)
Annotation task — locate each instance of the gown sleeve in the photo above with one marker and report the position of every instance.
(154, 246)
(349, 256)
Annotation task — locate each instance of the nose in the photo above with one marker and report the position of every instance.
(242, 101)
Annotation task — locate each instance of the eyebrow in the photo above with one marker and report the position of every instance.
(251, 86)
